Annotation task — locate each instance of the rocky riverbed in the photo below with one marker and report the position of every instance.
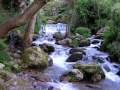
(73, 63)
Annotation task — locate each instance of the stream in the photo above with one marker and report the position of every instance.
(60, 65)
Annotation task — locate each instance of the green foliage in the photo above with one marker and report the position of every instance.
(114, 49)
(37, 25)
(86, 32)
(75, 43)
(4, 56)
(81, 7)
(3, 15)
(11, 4)
(2, 45)
(4, 59)
(111, 34)
(116, 13)
(94, 13)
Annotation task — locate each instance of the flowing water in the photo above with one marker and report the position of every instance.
(60, 65)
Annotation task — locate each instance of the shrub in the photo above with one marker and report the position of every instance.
(86, 32)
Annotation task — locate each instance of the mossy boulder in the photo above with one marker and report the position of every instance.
(75, 42)
(65, 42)
(92, 72)
(34, 57)
(58, 36)
(84, 42)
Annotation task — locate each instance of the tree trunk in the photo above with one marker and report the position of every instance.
(21, 19)
(29, 32)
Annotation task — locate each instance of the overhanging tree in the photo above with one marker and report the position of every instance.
(21, 19)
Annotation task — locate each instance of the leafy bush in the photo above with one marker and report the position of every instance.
(86, 32)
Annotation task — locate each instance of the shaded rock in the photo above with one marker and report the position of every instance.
(101, 31)
(6, 75)
(106, 67)
(99, 37)
(58, 36)
(84, 42)
(118, 73)
(16, 55)
(75, 42)
(33, 44)
(95, 41)
(75, 57)
(19, 84)
(53, 88)
(15, 41)
(48, 48)
(92, 86)
(92, 72)
(35, 36)
(34, 57)
(74, 50)
(50, 61)
(78, 74)
(65, 42)
(2, 84)
(65, 77)
(1, 66)
(98, 59)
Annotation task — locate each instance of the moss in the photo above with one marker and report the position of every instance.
(34, 57)
(73, 78)
(75, 42)
(84, 42)
(4, 59)
(4, 56)
(89, 68)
